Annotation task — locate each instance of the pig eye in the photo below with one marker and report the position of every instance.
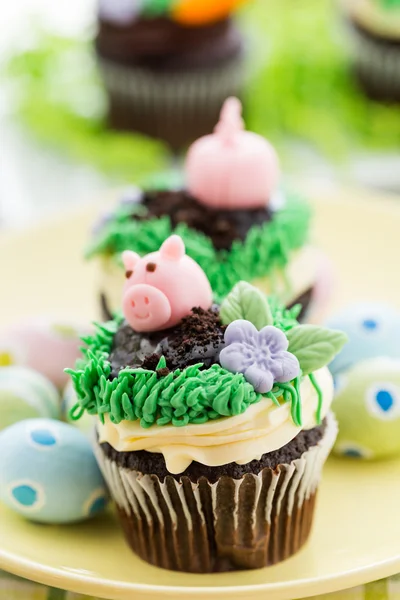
(146, 300)
(128, 274)
(151, 267)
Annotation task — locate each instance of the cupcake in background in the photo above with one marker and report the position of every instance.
(374, 29)
(235, 218)
(213, 422)
(168, 65)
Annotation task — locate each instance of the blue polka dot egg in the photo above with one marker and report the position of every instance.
(48, 472)
(367, 381)
(373, 330)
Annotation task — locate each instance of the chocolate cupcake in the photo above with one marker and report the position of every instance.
(168, 66)
(374, 35)
(213, 421)
(236, 221)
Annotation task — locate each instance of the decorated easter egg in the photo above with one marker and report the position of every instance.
(48, 472)
(26, 394)
(69, 399)
(373, 330)
(202, 12)
(44, 345)
(367, 406)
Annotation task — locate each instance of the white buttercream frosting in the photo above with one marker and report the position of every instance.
(263, 427)
(374, 16)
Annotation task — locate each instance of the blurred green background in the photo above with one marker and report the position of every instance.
(300, 94)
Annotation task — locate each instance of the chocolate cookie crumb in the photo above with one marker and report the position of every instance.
(222, 226)
(198, 338)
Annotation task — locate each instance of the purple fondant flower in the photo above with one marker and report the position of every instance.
(120, 12)
(261, 356)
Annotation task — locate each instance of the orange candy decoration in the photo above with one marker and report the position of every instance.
(203, 12)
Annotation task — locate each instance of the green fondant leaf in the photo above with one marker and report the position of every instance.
(314, 346)
(246, 302)
(155, 8)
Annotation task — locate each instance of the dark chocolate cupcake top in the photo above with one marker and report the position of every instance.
(164, 45)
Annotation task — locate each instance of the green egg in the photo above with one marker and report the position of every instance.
(87, 422)
(367, 406)
(26, 394)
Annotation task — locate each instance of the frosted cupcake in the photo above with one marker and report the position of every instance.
(236, 221)
(213, 422)
(374, 28)
(168, 66)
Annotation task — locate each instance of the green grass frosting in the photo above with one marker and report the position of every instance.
(265, 250)
(192, 395)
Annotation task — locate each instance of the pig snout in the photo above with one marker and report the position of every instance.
(146, 308)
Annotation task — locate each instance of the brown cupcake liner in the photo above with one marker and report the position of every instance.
(176, 106)
(376, 63)
(233, 524)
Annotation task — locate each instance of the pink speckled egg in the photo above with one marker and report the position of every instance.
(45, 345)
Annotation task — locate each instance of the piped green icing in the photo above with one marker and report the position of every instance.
(265, 250)
(195, 395)
(317, 388)
(192, 395)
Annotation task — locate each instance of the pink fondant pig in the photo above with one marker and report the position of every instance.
(163, 287)
(232, 168)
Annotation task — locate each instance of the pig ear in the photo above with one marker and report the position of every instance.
(173, 248)
(130, 260)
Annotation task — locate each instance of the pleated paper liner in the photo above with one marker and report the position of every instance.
(231, 524)
(177, 106)
(376, 64)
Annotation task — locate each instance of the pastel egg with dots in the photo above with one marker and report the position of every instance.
(25, 394)
(86, 422)
(373, 330)
(43, 344)
(48, 472)
(367, 407)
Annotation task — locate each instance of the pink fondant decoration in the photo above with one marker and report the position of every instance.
(164, 287)
(232, 168)
(173, 248)
(130, 259)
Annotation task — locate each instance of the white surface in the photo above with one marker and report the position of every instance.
(34, 181)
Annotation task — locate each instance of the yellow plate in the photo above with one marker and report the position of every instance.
(357, 530)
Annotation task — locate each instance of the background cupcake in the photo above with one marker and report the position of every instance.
(168, 66)
(235, 219)
(214, 422)
(374, 28)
